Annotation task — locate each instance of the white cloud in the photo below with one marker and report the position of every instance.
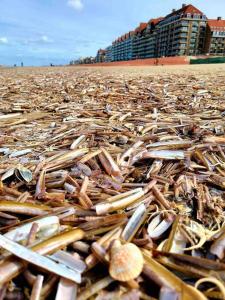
(45, 39)
(3, 40)
(75, 4)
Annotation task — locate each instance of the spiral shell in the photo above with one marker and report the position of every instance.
(126, 261)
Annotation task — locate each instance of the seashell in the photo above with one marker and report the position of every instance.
(157, 226)
(8, 173)
(126, 261)
(69, 188)
(52, 125)
(134, 223)
(122, 139)
(4, 151)
(24, 174)
(20, 153)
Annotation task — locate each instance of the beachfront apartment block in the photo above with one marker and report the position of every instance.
(186, 31)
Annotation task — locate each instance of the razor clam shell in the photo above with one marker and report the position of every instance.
(50, 223)
(165, 154)
(134, 223)
(67, 290)
(39, 260)
(157, 227)
(69, 261)
(20, 153)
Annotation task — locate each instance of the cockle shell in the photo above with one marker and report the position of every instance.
(126, 261)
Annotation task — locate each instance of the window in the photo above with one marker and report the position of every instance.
(184, 23)
(195, 24)
(184, 29)
(197, 16)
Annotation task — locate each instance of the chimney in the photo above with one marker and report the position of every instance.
(183, 5)
(219, 18)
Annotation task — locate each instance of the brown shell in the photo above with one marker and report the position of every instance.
(126, 262)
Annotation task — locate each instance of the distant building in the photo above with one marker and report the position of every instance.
(215, 37)
(144, 45)
(139, 41)
(122, 48)
(100, 57)
(185, 31)
(108, 54)
(151, 38)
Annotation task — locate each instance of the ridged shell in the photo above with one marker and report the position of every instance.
(126, 261)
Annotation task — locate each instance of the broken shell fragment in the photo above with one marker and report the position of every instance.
(126, 261)
(158, 226)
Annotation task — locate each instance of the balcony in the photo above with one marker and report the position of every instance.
(184, 29)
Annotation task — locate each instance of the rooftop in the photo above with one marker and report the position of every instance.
(141, 27)
(218, 24)
(101, 51)
(155, 21)
(185, 9)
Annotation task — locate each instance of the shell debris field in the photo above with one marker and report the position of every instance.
(112, 183)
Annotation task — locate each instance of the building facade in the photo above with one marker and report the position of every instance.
(122, 48)
(108, 54)
(215, 37)
(139, 41)
(182, 32)
(185, 31)
(101, 55)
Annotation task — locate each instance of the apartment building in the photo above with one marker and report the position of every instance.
(215, 37)
(182, 32)
(122, 48)
(151, 38)
(108, 54)
(185, 31)
(139, 43)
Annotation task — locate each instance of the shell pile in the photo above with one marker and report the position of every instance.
(112, 183)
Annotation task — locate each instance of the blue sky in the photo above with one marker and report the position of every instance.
(39, 32)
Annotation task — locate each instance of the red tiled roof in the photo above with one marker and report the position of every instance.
(192, 10)
(217, 25)
(141, 27)
(101, 51)
(136, 30)
(186, 9)
(155, 21)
